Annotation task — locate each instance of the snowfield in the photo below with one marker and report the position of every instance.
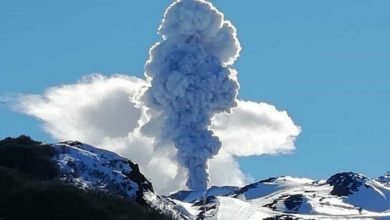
(342, 196)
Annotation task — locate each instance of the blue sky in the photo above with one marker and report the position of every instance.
(325, 62)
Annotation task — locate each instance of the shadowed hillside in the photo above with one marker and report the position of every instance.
(29, 189)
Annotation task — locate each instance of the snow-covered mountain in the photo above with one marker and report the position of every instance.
(385, 179)
(91, 168)
(342, 196)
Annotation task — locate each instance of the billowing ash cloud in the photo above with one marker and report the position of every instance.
(191, 80)
(167, 121)
(101, 111)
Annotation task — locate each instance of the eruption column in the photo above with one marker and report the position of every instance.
(191, 79)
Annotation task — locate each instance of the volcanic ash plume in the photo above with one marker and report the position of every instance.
(191, 80)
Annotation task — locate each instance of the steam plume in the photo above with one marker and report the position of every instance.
(191, 80)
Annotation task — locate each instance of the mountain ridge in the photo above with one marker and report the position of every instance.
(343, 196)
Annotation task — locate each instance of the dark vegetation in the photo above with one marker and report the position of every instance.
(30, 190)
(27, 156)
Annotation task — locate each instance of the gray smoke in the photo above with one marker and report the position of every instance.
(191, 80)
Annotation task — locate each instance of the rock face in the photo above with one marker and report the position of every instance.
(91, 168)
(342, 196)
(345, 184)
(94, 169)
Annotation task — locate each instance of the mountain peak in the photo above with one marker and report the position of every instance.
(346, 183)
(385, 179)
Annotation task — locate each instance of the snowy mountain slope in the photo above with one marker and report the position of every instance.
(385, 179)
(342, 196)
(90, 168)
(192, 196)
(31, 188)
(361, 191)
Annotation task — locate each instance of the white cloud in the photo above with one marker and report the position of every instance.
(101, 111)
(255, 129)
(95, 108)
(218, 167)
